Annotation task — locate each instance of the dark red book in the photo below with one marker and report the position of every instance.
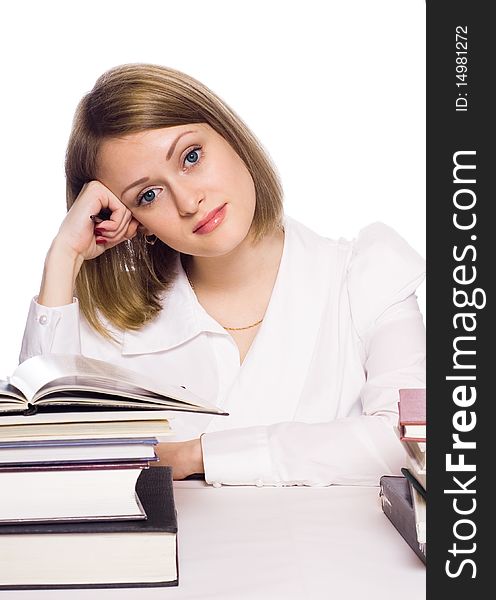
(412, 414)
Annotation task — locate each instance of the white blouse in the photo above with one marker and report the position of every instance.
(315, 400)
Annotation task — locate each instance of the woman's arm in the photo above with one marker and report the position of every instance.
(61, 268)
(78, 240)
(53, 321)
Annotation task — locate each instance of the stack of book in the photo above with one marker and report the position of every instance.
(77, 438)
(404, 498)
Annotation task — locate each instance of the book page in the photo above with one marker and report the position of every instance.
(43, 371)
(85, 430)
(11, 399)
(10, 393)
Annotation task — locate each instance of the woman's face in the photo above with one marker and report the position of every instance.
(184, 184)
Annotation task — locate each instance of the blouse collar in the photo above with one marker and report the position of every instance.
(182, 317)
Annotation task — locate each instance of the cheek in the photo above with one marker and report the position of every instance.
(242, 189)
(171, 228)
(230, 175)
(249, 195)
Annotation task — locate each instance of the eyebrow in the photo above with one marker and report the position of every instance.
(173, 145)
(137, 182)
(169, 154)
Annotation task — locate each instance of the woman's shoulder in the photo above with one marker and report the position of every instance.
(377, 268)
(373, 245)
(383, 269)
(380, 254)
(373, 238)
(312, 242)
(381, 237)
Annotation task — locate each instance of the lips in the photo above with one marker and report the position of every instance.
(211, 220)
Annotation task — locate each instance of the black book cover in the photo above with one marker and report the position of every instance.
(397, 505)
(155, 491)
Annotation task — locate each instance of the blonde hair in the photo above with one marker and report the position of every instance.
(124, 284)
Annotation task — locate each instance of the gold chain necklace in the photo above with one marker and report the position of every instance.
(227, 328)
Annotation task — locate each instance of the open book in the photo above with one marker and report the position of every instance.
(65, 381)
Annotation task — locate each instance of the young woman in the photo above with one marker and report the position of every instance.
(198, 278)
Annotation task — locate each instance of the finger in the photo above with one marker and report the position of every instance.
(114, 229)
(119, 210)
(132, 229)
(120, 232)
(127, 232)
(108, 202)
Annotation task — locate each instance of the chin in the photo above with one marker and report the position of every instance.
(221, 242)
(219, 249)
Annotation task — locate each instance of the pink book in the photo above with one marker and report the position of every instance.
(412, 414)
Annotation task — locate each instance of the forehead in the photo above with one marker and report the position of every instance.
(115, 153)
(151, 137)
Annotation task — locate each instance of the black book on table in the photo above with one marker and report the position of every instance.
(397, 505)
(104, 554)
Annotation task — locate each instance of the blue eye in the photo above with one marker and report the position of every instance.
(146, 198)
(149, 195)
(192, 157)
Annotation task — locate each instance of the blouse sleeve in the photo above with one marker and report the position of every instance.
(51, 329)
(382, 276)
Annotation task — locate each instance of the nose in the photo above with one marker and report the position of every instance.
(187, 198)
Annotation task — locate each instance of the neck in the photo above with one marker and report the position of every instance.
(239, 269)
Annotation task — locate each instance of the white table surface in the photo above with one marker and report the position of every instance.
(238, 543)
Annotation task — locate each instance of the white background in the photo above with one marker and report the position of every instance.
(334, 90)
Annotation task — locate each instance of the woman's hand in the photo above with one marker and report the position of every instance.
(85, 240)
(185, 458)
(79, 239)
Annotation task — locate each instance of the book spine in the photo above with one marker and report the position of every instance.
(31, 409)
(90, 466)
(150, 441)
(402, 517)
